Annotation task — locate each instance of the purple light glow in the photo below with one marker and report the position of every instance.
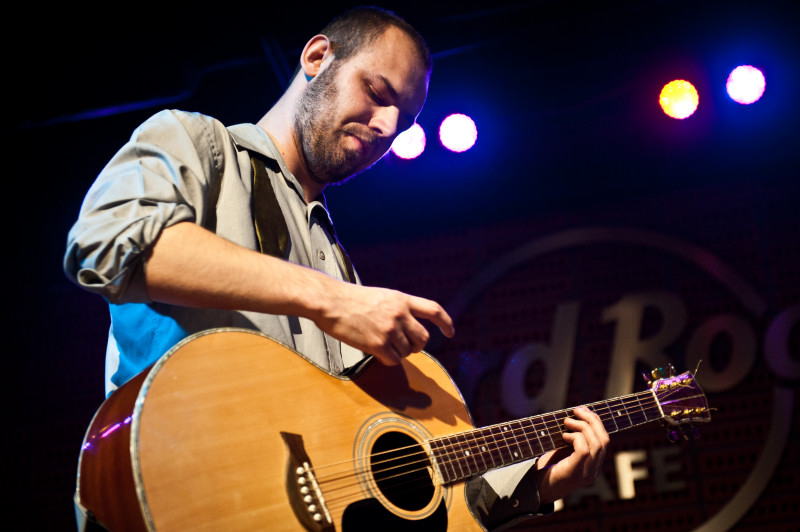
(458, 133)
(746, 84)
(410, 143)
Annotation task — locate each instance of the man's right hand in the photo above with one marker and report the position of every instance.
(382, 322)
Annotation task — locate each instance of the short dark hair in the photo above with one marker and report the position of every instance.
(359, 27)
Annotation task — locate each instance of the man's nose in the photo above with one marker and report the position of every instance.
(385, 121)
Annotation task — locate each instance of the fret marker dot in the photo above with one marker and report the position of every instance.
(516, 454)
(483, 448)
(542, 433)
(466, 453)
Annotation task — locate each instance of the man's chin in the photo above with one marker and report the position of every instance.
(353, 165)
(350, 163)
(335, 176)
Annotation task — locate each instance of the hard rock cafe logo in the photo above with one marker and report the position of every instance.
(743, 325)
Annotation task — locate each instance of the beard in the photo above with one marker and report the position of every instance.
(319, 139)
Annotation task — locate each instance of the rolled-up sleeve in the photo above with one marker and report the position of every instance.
(504, 497)
(161, 177)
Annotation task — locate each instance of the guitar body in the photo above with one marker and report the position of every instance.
(226, 430)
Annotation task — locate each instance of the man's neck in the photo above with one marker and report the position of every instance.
(277, 123)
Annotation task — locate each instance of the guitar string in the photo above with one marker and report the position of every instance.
(460, 446)
(451, 449)
(396, 487)
(547, 425)
(333, 502)
(641, 416)
(464, 449)
(538, 426)
(514, 432)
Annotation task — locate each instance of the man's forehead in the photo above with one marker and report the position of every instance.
(396, 38)
(395, 59)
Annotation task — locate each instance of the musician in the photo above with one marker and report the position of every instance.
(193, 225)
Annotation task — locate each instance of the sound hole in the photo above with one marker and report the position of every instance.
(400, 468)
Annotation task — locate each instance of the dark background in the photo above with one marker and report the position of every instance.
(565, 95)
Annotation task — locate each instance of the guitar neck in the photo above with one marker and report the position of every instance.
(466, 454)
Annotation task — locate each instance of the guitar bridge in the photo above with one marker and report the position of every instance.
(305, 495)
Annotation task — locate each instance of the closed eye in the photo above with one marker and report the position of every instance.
(377, 98)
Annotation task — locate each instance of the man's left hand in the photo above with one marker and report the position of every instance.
(565, 470)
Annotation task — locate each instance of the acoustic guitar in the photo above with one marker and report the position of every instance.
(231, 430)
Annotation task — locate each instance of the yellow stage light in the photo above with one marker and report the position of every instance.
(679, 99)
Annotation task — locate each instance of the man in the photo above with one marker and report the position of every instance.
(193, 226)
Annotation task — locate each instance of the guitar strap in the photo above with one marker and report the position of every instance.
(271, 229)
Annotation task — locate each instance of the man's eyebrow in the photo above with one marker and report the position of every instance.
(389, 86)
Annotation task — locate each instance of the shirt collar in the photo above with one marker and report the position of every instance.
(253, 138)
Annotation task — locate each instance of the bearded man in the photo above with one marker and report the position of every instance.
(194, 226)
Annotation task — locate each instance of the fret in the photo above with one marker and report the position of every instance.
(446, 467)
(497, 454)
(505, 445)
(625, 408)
(515, 451)
(620, 414)
(641, 415)
(543, 434)
(511, 439)
(451, 458)
(454, 455)
(467, 454)
(483, 449)
(603, 410)
(559, 440)
(651, 411)
(533, 430)
(550, 431)
(521, 433)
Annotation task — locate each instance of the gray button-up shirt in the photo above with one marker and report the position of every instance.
(180, 167)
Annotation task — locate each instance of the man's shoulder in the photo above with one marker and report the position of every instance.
(170, 125)
(178, 128)
(180, 118)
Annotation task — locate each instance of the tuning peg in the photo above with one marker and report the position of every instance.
(647, 379)
(673, 436)
(671, 370)
(657, 373)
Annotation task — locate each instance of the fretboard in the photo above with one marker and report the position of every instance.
(466, 454)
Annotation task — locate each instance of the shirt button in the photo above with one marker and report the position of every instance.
(321, 254)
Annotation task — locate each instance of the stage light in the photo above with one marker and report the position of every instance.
(746, 84)
(679, 99)
(458, 133)
(410, 143)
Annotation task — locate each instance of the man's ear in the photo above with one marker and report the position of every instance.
(314, 54)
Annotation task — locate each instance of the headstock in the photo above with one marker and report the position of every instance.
(681, 401)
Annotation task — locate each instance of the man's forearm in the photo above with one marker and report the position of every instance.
(190, 266)
(193, 267)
